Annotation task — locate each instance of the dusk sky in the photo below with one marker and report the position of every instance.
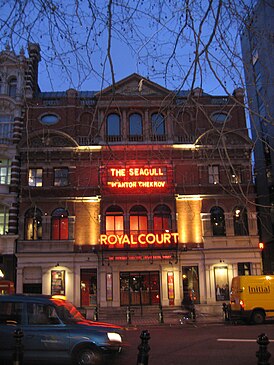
(177, 45)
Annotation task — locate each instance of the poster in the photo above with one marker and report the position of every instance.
(170, 285)
(221, 283)
(58, 282)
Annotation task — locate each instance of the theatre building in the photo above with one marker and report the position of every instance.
(135, 195)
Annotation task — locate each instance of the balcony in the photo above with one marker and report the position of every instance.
(45, 246)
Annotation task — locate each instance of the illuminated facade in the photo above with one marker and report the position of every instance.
(137, 197)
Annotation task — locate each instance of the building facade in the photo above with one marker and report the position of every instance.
(258, 58)
(135, 195)
(17, 82)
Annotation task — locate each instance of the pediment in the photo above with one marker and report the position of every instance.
(136, 85)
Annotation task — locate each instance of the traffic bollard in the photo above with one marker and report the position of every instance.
(18, 348)
(262, 354)
(143, 348)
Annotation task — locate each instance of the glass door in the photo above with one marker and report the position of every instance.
(139, 288)
(190, 276)
(88, 287)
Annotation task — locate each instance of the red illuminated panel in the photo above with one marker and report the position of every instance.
(170, 284)
(137, 179)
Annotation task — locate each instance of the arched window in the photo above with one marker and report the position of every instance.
(59, 224)
(162, 219)
(33, 224)
(135, 125)
(12, 86)
(157, 124)
(240, 221)
(114, 220)
(138, 220)
(4, 219)
(113, 126)
(217, 219)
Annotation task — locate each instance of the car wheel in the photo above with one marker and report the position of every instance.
(88, 356)
(258, 317)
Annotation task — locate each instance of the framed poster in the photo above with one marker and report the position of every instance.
(170, 287)
(58, 282)
(221, 283)
(109, 287)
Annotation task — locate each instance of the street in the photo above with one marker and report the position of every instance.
(210, 344)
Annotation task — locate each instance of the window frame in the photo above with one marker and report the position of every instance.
(33, 224)
(5, 171)
(59, 224)
(12, 87)
(136, 123)
(162, 215)
(63, 180)
(240, 221)
(218, 230)
(4, 223)
(213, 174)
(37, 177)
(113, 125)
(138, 217)
(114, 217)
(158, 127)
(6, 127)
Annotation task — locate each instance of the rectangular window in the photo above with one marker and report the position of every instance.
(6, 128)
(36, 177)
(42, 314)
(213, 174)
(5, 170)
(61, 177)
(4, 219)
(244, 268)
(114, 224)
(11, 312)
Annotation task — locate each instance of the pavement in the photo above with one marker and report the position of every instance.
(172, 319)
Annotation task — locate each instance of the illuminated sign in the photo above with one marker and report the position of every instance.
(139, 257)
(142, 239)
(137, 179)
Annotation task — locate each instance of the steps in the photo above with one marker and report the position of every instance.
(108, 314)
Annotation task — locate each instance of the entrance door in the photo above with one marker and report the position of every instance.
(88, 287)
(140, 288)
(191, 282)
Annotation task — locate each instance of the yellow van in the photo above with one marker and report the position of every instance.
(252, 298)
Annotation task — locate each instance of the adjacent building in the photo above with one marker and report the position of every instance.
(17, 82)
(135, 195)
(258, 58)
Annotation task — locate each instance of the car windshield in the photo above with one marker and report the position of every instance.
(67, 311)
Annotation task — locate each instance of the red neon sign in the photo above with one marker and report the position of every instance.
(137, 179)
(142, 239)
